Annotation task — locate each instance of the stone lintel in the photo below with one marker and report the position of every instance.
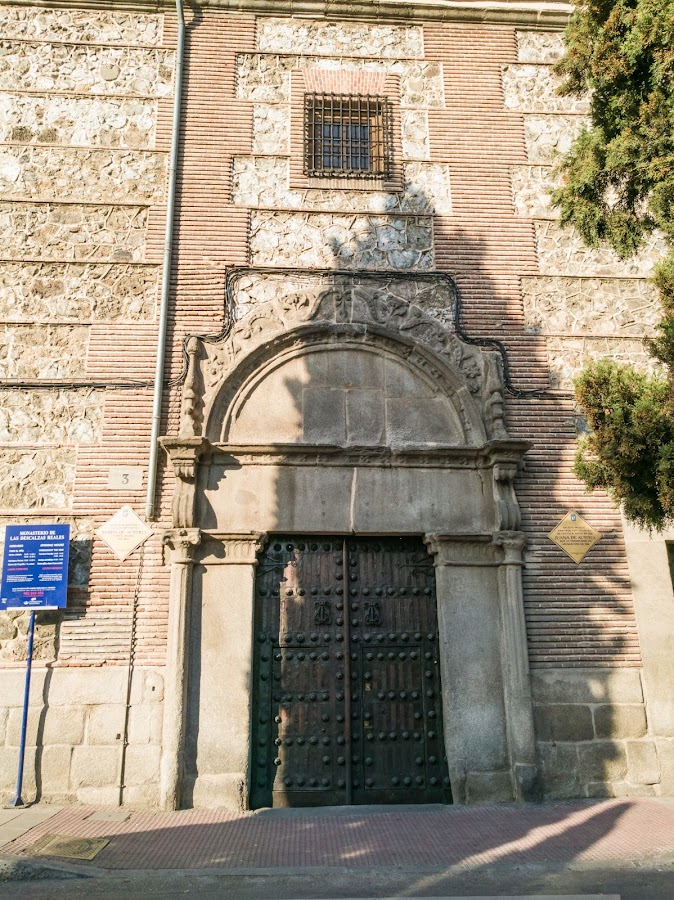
(504, 452)
(532, 13)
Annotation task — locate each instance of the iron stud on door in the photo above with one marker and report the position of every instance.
(387, 655)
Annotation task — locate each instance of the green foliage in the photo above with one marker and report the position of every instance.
(618, 187)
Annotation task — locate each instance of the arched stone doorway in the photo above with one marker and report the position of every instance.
(342, 410)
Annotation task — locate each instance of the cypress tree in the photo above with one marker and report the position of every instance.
(618, 187)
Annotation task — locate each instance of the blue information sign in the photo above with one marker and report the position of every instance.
(35, 567)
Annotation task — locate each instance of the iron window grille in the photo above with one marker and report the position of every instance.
(347, 136)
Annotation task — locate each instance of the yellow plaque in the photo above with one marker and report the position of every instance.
(574, 536)
(124, 532)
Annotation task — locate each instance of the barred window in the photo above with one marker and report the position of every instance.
(347, 136)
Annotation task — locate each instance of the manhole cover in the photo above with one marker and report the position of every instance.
(68, 847)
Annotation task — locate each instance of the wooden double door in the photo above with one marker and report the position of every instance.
(347, 695)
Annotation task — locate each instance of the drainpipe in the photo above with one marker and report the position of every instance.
(166, 273)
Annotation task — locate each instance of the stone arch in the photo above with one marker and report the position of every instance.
(344, 385)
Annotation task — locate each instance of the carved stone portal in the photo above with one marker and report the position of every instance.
(340, 405)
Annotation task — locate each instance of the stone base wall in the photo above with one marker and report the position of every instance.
(593, 735)
(76, 735)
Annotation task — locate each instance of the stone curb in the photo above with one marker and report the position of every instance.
(14, 868)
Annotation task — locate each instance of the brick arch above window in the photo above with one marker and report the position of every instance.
(370, 86)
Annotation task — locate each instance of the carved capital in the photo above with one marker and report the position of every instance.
(234, 549)
(463, 550)
(185, 454)
(513, 543)
(182, 544)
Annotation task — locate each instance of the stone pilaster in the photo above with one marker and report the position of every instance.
(466, 571)
(182, 543)
(515, 663)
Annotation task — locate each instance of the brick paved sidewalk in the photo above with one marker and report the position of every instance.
(635, 830)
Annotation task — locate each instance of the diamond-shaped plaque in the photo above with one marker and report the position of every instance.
(574, 536)
(124, 532)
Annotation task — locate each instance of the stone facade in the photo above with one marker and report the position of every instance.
(79, 177)
(593, 735)
(93, 176)
(262, 182)
(37, 479)
(322, 240)
(265, 78)
(51, 417)
(77, 121)
(57, 231)
(77, 292)
(592, 306)
(76, 732)
(86, 69)
(39, 351)
(339, 38)
(85, 99)
(533, 89)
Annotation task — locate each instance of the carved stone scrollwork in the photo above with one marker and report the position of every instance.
(327, 302)
(508, 514)
(191, 418)
(494, 406)
(185, 454)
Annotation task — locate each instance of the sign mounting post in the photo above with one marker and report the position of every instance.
(34, 577)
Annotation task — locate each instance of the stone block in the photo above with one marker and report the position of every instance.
(601, 761)
(330, 240)
(30, 479)
(53, 764)
(48, 231)
(105, 724)
(642, 761)
(225, 791)
(567, 356)
(620, 721)
(559, 771)
(98, 796)
(586, 686)
(147, 686)
(561, 251)
(51, 417)
(142, 764)
(318, 38)
(599, 789)
(95, 767)
(4, 716)
(9, 762)
(145, 724)
(365, 418)
(71, 687)
(598, 306)
(47, 725)
(43, 351)
(547, 138)
(83, 69)
(534, 88)
(82, 25)
(421, 421)
(78, 121)
(665, 747)
(489, 787)
(539, 46)
(92, 176)
(145, 795)
(324, 416)
(563, 722)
